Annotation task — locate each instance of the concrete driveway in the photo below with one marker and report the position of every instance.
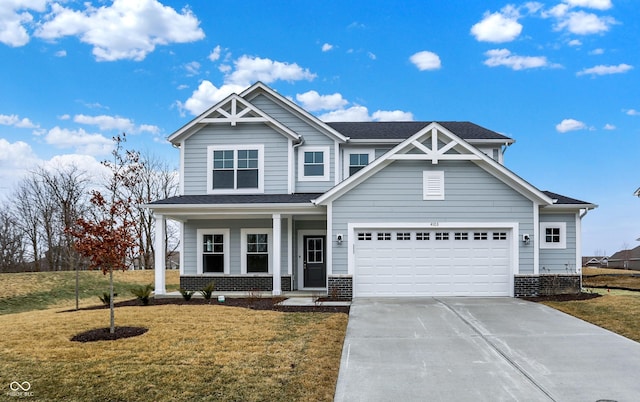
(481, 349)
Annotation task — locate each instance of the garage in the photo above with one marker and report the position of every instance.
(432, 262)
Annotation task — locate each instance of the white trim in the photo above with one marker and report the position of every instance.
(181, 246)
(536, 239)
(181, 171)
(431, 179)
(235, 149)
(326, 161)
(346, 155)
(563, 235)
(337, 177)
(329, 242)
(512, 227)
(300, 251)
(243, 249)
(578, 244)
(160, 256)
(226, 247)
(289, 244)
(290, 168)
(277, 255)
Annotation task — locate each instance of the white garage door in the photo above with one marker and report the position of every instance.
(460, 262)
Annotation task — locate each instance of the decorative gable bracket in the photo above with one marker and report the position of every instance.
(435, 153)
(235, 110)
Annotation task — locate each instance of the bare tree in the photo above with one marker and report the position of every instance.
(11, 250)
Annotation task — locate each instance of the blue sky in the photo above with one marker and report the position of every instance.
(560, 77)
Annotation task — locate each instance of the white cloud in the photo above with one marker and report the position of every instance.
(582, 23)
(605, 70)
(215, 53)
(15, 121)
(245, 72)
(575, 42)
(503, 57)
(193, 68)
(61, 53)
(392, 115)
(15, 160)
(596, 52)
(426, 60)
(597, 4)
(109, 123)
(326, 47)
(570, 125)
(609, 127)
(498, 27)
(94, 169)
(361, 113)
(372, 55)
(79, 140)
(632, 112)
(250, 69)
(206, 96)
(124, 29)
(14, 15)
(313, 101)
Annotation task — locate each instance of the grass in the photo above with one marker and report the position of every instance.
(610, 278)
(40, 290)
(617, 311)
(208, 352)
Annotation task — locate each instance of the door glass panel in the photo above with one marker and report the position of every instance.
(315, 252)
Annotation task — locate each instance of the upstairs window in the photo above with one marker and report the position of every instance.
(313, 163)
(356, 159)
(236, 169)
(553, 235)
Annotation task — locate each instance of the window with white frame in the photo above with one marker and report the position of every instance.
(235, 169)
(313, 163)
(553, 235)
(213, 251)
(433, 185)
(356, 159)
(256, 250)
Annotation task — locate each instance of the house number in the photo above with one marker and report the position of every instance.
(434, 224)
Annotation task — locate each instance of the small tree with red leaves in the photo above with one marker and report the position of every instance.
(107, 237)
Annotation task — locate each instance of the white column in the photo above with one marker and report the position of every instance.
(277, 251)
(160, 255)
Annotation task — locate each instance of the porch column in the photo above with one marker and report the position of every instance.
(160, 255)
(277, 247)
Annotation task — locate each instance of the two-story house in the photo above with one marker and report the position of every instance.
(273, 199)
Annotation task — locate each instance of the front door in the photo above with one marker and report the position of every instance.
(314, 267)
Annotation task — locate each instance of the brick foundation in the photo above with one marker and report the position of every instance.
(340, 287)
(229, 283)
(546, 285)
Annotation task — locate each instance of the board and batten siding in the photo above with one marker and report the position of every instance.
(394, 194)
(312, 137)
(559, 261)
(190, 241)
(276, 168)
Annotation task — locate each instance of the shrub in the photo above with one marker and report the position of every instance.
(106, 298)
(143, 293)
(207, 291)
(186, 294)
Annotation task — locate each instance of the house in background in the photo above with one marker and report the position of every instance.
(595, 261)
(273, 199)
(626, 259)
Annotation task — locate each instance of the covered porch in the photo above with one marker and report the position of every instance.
(248, 245)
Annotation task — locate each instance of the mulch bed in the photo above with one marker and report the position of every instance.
(563, 298)
(103, 334)
(264, 303)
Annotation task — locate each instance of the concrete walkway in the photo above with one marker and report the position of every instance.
(481, 349)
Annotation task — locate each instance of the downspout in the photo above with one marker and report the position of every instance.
(294, 164)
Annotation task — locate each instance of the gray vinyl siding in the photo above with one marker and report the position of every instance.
(234, 225)
(276, 169)
(312, 137)
(395, 195)
(559, 261)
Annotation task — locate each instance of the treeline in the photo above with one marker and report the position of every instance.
(37, 217)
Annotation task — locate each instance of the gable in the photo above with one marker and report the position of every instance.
(435, 144)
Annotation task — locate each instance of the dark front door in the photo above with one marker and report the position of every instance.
(315, 271)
